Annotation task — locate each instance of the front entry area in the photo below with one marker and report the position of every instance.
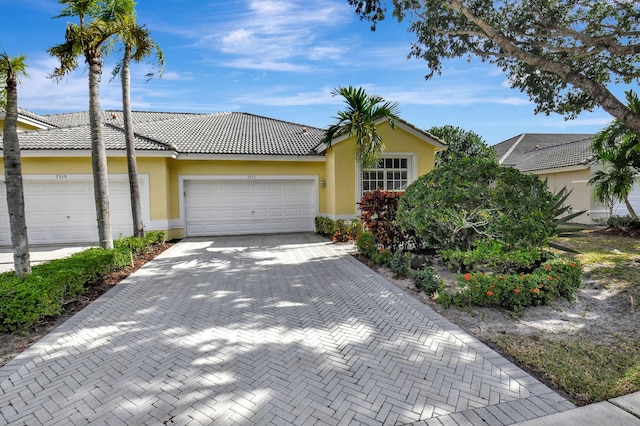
(254, 205)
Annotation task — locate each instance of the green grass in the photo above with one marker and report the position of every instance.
(596, 365)
(608, 258)
(586, 370)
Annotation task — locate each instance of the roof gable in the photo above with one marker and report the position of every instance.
(401, 124)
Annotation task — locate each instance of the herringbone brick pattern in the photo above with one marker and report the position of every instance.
(282, 330)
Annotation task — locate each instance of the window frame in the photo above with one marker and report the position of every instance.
(411, 172)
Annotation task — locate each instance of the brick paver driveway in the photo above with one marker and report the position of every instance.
(286, 329)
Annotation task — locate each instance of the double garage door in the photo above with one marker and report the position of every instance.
(61, 209)
(262, 206)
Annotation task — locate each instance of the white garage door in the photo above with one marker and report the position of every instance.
(232, 207)
(63, 210)
(620, 209)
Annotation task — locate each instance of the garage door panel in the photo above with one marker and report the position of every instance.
(249, 206)
(63, 211)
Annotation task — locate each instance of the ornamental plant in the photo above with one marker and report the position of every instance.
(366, 245)
(492, 255)
(378, 211)
(558, 277)
(470, 200)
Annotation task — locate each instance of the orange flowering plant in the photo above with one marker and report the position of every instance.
(557, 277)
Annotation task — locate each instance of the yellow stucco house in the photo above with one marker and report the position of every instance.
(203, 174)
(563, 160)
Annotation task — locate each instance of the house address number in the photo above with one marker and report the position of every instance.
(251, 177)
(62, 177)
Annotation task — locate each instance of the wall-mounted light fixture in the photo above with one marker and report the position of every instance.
(323, 184)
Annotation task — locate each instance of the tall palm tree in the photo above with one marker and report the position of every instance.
(359, 120)
(88, 37)
(10, 70)
(617, 149)
(138, 45)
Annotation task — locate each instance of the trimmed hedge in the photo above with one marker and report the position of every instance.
(43, 293)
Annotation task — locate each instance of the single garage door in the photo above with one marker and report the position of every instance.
(62, 210)
(233, 207)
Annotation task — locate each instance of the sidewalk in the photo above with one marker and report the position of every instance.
(40, 254)
(621, 411)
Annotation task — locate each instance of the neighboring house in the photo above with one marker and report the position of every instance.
(202, 174)
(564, 160)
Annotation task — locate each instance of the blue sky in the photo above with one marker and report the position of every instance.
(279, 59)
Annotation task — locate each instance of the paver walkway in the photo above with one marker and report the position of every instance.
(286, 329)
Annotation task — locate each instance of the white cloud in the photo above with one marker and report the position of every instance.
(267, 65)
(285, 96)
(177, 76)
(279, 32)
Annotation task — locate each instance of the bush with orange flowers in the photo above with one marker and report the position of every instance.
(557, 277)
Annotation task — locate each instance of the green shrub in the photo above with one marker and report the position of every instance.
(494, 256)
(426, 279)
(43, 293)
(338, 230)
(325, 226)
(366, 245)
(558, 277)
(383, 257)
(400, 264)
(471, 199)
(623, 223)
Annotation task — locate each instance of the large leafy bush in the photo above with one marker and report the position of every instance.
(378, 211)
(475, 199)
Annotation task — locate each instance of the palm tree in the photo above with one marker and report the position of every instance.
(10, 69)
(137, 46)
(88, 38)
(359, 120)
(617, 149)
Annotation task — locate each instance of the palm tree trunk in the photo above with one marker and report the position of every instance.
(13, 179)
(134, 188)
(630, 209)
(98, 153)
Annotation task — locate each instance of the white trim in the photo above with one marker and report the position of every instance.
(558, 170)
(580, 181)
(181, 221)
(241, 157)
(38, 153)
(510, 150)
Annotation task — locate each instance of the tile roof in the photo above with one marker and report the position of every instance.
(233, 133)
(538, 151)
(71, 119)
(79, 138)
(230, 133)
(557, 156)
